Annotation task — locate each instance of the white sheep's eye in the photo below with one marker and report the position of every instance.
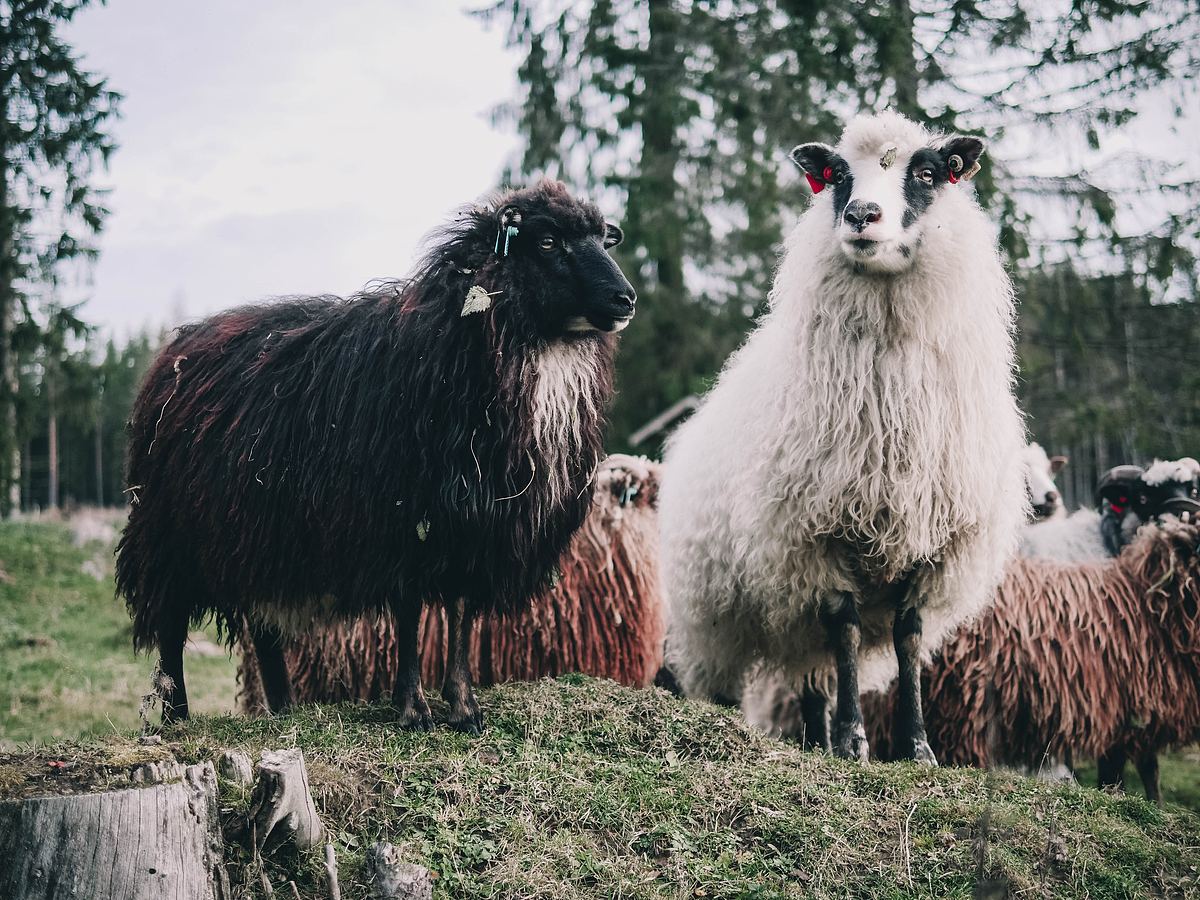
(926, 175)
(548, 243)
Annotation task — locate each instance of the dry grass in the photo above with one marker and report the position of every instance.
(580, 788)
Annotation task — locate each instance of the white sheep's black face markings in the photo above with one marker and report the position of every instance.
(880, 196)
(925, 174)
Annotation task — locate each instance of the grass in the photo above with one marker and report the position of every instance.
(577, 788)
(581, 788)
(67, 666)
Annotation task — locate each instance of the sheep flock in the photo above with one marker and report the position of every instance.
(850, 539)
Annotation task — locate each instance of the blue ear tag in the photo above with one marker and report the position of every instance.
(509, 233)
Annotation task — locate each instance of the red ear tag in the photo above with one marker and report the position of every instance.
(827, 174)
(817, 186)
(953, 178)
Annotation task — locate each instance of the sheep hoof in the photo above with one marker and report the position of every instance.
(851, 743)
(415, 721)
(415, 715)
(468, 720)
(922, 755)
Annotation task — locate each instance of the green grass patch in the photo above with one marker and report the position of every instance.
(67, 666)
(581, 788)
(577, 788)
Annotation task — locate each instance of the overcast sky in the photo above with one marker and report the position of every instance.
(284, 146)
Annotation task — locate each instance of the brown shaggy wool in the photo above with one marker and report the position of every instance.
(602, 618)
(1073, 658)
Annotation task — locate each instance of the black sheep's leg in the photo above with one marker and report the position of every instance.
(1147, 767)
(908, 735)
(814, 709)
(172, 636)
(844, 632)
(465, 714)
(1110, 768)
(407, 695)
(272, 667)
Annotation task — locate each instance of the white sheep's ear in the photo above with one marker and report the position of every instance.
(820, 164)
(1058, 463)
(961, 155)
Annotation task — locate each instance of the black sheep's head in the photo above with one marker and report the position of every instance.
(552, 263)
(1171, 487)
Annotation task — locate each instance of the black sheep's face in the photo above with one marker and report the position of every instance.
(1170, 488)
(580, 287)
(884, 195)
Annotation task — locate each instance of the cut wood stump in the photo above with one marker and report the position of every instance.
(282, 807)
(392, 879)
(158, 842)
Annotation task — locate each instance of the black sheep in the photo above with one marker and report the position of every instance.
(431, 440)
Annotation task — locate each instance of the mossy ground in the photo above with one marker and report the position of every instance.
(582, 788)
(577, 788)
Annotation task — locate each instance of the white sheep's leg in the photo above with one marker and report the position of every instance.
(465, 714)
(908, 735)
(814, 708)
(407, 695)
(844, 632)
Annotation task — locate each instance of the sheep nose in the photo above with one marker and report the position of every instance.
(627, 300)
(859, 214)
(1051, 496)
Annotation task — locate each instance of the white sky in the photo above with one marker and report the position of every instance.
(284, 146)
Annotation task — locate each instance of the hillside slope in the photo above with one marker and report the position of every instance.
(581, 788)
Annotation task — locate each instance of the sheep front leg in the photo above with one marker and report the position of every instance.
(844, 632)
(465, 714)
(407, 695)
(909, 740)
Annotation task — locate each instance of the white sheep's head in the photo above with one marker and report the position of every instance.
(1040, 470)
(884, 176)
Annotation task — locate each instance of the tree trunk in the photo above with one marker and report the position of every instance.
(10, 459)
(52, 451)
(896, 55)
(99, 445)
(144, 843)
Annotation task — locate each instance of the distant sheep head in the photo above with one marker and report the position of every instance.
(1040, 470)
(1171, 487)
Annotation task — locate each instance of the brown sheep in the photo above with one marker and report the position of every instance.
(1073, 658)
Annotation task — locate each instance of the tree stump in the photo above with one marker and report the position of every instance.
(160, 842)
(392, 879)
(282, 806)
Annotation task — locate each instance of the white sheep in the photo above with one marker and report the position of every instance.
(1040, 470)
(854, 480)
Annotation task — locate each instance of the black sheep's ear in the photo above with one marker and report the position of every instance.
(961, 155)
(612, 235)
(819, 163)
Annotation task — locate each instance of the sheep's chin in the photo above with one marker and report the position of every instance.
(880, 257)
(581, 325)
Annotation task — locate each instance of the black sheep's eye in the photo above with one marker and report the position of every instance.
(547, 243)
(926, 175)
